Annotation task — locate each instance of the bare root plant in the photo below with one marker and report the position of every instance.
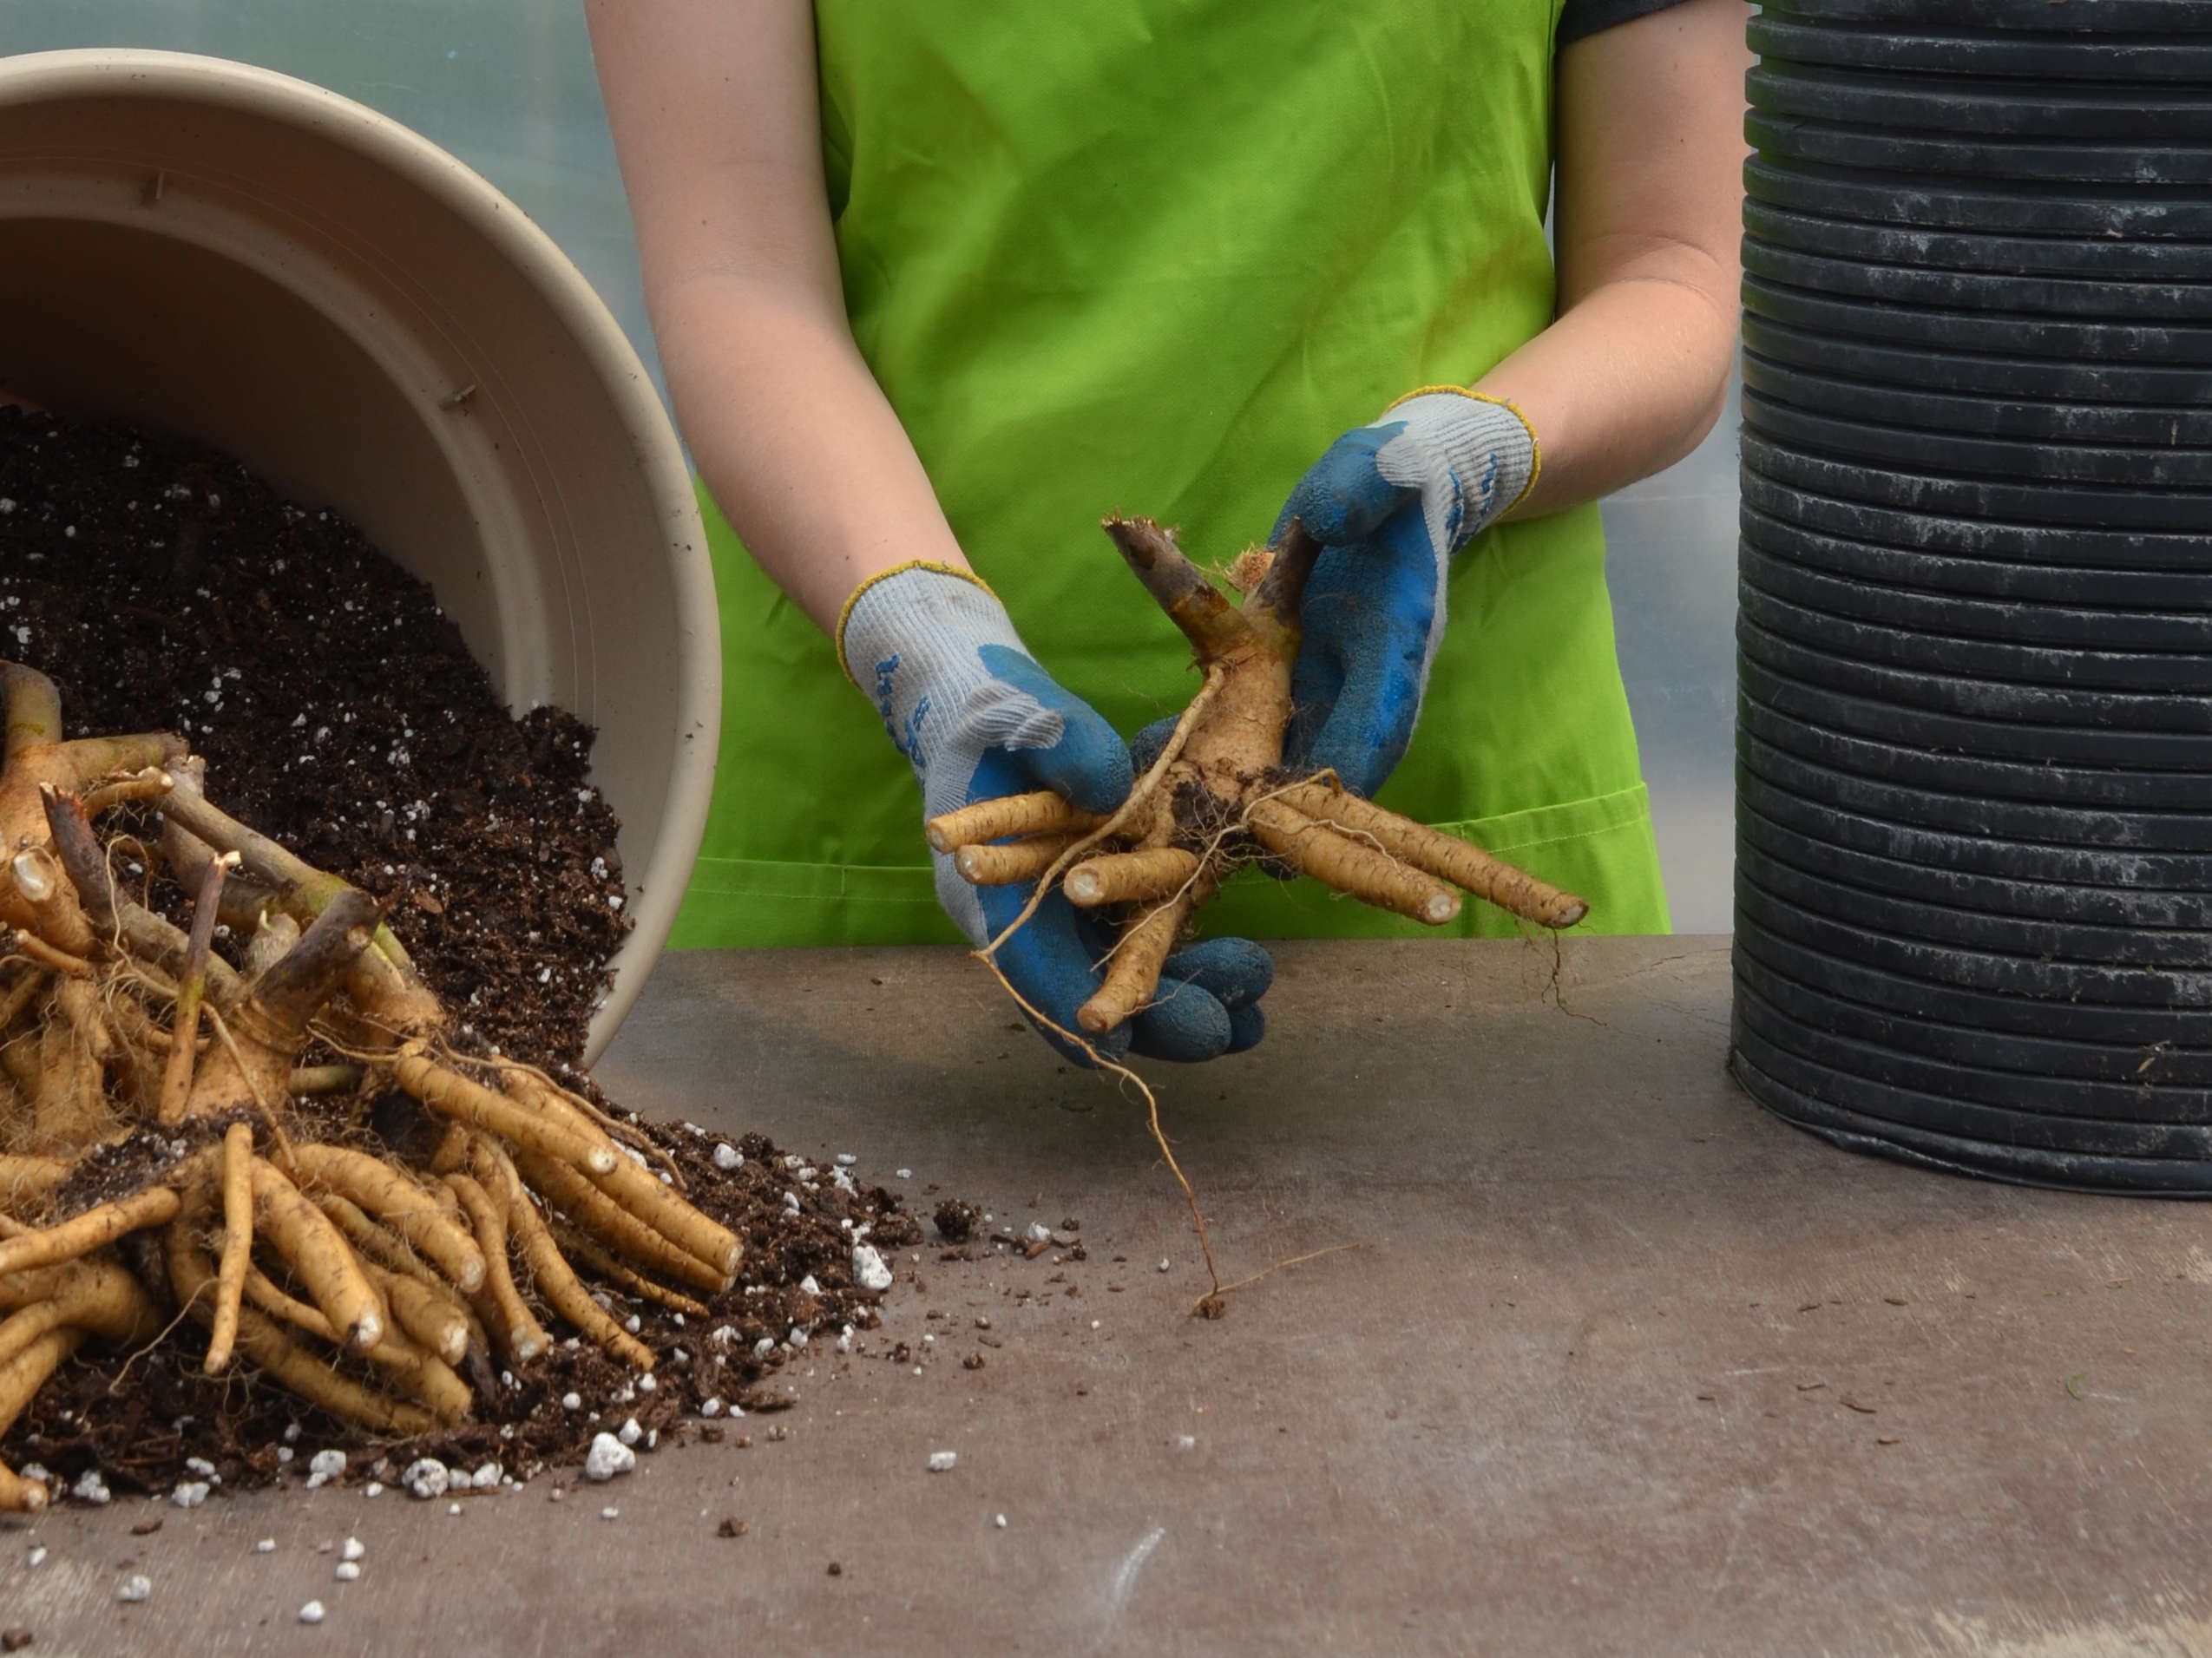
(1219, 796)
(369, 1281)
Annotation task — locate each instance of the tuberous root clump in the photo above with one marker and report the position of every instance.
(1218, 795)
(166, 1160)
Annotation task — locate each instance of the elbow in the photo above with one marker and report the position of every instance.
(1708, 416)
(1706, 377)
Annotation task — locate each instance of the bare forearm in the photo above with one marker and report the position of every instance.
(1634, 370)
(796, 441)
(713, 110)
(1625, 382)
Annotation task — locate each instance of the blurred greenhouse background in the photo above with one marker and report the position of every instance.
(508, 87)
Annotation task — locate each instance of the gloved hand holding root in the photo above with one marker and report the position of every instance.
(1390, 503)
(989, 733)
(1218, 793)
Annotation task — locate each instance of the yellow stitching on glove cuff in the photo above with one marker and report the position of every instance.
(845, 615)
(1535, 443)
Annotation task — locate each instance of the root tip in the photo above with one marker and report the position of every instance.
(601, 1160)
(1441, 908)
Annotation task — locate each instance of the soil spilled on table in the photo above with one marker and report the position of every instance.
(339, 711)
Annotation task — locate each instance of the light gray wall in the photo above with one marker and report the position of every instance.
(507, 86)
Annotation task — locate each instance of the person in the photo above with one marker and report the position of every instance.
(937, 284)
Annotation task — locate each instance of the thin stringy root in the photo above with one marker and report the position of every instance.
(365, 1284)
(1217, 796)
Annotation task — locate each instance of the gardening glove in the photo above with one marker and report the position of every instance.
(1390, 503)
(979, 719)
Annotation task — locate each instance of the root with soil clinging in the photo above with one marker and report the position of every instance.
(342, 1276)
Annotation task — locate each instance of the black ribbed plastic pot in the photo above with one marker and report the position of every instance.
(1975, 715)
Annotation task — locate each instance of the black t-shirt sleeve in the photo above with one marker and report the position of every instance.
(1588, 17)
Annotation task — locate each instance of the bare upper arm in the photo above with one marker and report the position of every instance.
(1650, 152)
(714, 110)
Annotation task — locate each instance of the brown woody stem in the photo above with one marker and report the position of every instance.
(191, 984)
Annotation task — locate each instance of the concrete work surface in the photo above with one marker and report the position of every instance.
(1618, 1365)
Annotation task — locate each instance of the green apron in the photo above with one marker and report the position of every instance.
(1154, 255)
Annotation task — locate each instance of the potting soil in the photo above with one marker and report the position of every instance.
(338, 711)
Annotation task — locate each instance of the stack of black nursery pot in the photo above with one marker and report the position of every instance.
(1974, 746)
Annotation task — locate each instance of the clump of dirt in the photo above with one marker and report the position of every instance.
(956, 1221)
(339, 712)
(163, 587)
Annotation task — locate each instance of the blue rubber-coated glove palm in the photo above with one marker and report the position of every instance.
(979, 719)
(1390, 503)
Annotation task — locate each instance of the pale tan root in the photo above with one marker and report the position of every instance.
(644, 1196)
(25, 1178)
(498, 1302)
(1042, 813)
(399, 1202)
(1127, 877)
(433, 1319)
(1444, 855)
(993, 865)
(19, 995)
(20, 1380)
(313, 1080)
(18, 1495)
(417, 1372)
(451, 1152)
(29, 944)
(447, 1093)
(1133, 973)
(22, 1288)
(372, 1241)
(69, 1107)
(526, 1082)
(238, 1244)
(289, 1364)
(533, 1087)
(146, 785)
(82, 1234)
(594, 1212)
(1351, 867)
(643, 1193)
(99, 1299)
(316, 1254)
(552, 1276)
(593, 1254)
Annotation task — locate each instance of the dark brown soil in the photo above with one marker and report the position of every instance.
(339, 711)
(956, 1222)
(337, 707)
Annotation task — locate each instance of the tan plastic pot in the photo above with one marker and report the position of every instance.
(219, 251)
